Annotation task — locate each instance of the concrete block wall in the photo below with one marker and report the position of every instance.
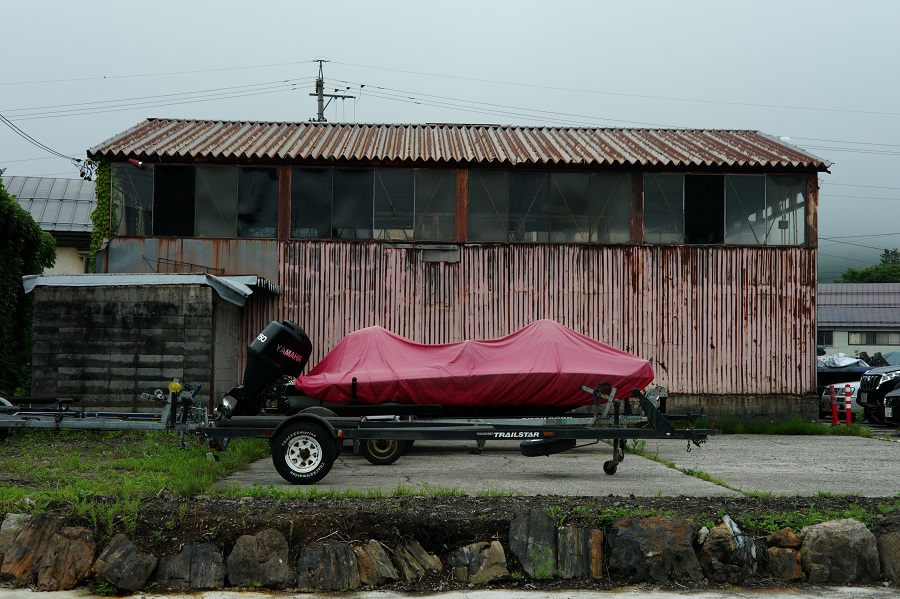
(110, 343)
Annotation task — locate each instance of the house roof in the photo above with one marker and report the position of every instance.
(177, 140)
(57, 205)
(875, 305)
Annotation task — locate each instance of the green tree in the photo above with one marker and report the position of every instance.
(890, 256)
(880, 273)
(24, 250)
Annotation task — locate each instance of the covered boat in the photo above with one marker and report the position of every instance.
(542, 365)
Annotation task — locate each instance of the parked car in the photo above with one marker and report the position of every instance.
(892, 407)
(874, 385)
(841, 400)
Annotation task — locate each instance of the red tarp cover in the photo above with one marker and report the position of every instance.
(543, 364)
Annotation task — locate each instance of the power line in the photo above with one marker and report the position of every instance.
(609, 93)
(138, 75)
(148, 98)
(87, 167)
(857, 185)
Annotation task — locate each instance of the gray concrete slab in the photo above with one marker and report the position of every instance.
(781, 465)
(498, 467)
(795, 465)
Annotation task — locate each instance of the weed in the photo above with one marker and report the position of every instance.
(104, 589)
(555, 513)
(517, 575)
(544, 564)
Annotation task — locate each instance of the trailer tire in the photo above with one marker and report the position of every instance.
(382, 452)
(609, 467)
(303, 453)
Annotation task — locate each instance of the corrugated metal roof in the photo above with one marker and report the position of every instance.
(858, 304)
(859, 294)
(843, 316)
(56, 205)
(173, 140)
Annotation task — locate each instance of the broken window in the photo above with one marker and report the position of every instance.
(173, 201)
(215, 196)
(663, 208)
(488, 206)
(311, 202)
(435, 205)
(570, 199)
(610, 208)
(394, 203)
(132, 200)
(745, 209)
(257, 202)
(786, 210)
(704, 209)
(529, 207)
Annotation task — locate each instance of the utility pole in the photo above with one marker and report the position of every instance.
(321, 95)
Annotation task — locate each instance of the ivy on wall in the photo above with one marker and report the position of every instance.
(24, 250)
(101, 217)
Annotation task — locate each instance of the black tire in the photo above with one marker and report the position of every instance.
(407, 445)
(873, 415)
(303, 453)
(4, 433)
(609, 467)
(382, 452)
(540, 447)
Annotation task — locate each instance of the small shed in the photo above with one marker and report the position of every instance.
(109, 337)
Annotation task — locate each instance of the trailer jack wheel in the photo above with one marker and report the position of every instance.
(382, 452)
(609, 467)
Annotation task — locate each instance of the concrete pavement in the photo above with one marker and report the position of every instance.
(781, 465)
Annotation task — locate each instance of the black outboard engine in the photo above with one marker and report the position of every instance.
(281, 350)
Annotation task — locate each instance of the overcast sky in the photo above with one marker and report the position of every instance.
(823, 73)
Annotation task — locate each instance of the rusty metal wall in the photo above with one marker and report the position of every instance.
(714, 320)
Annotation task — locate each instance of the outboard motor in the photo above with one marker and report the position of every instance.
(281, 350)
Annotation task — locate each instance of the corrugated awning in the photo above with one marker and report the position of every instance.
(234, 289)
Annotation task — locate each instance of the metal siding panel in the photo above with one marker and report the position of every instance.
(715, 320)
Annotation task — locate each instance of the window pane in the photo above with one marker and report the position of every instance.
(610, 208)
(825, 338)
(351, 212)
(488, 205)
(173, 201)
(216, 201)
(745, 209)
(132, 200)
(786, 204)
(311, 203)
(856, 338)
(570, 195)
(258, 202)
(394, 202)
(663, 208)
(436, 205)
(529, 207)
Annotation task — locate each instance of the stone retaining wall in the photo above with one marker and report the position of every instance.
(38, 551)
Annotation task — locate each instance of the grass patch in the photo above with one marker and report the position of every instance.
(791, 426)
(73, 466)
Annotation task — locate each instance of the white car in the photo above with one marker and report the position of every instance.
(840, 396)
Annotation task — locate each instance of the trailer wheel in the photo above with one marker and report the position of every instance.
(382, 452)
(533, 448)
(609, 467)
(303, 453)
